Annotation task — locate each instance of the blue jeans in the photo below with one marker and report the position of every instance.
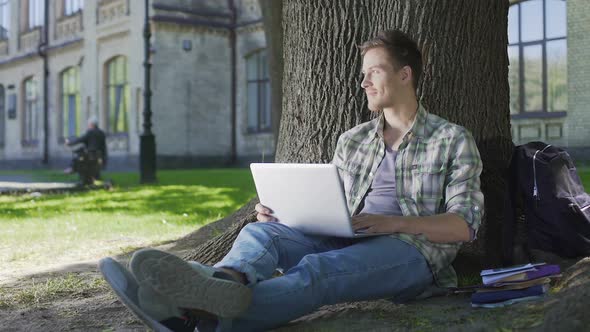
(318, 271)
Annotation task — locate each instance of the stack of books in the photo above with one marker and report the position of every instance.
(513, 284)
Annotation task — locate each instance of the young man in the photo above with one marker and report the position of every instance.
(408, 172)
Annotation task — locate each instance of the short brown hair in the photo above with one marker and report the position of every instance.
(402, 49)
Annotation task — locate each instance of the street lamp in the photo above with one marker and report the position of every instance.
(147, 143)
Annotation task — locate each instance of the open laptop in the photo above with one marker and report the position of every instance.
(308, 197)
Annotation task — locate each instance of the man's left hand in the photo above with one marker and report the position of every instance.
(374, 223)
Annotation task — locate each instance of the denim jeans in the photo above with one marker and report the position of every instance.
(318, 271)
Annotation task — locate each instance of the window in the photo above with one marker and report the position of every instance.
(537, 50)
(117, 95)
(4, 19)
(36, 13)
(258, 90)
(72, 6)
(71, 107)
(30, 120)
(2, 116)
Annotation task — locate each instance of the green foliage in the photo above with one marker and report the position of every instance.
(468, 279)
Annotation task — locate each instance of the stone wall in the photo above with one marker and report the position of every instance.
(578, 123)
(191, 86)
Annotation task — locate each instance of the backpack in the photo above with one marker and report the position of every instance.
(546, 200)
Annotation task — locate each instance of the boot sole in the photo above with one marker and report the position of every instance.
(191, 287)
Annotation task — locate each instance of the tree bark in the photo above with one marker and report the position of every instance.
(465, 80)
(272, 13)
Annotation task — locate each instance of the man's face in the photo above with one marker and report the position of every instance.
(383, 84)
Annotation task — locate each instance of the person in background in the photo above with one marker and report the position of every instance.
(94, 141)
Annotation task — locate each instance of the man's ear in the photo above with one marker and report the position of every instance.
(407, 74)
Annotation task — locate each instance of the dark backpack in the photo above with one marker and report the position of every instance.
(547, 200)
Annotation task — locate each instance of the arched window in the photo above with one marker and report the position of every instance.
(117, 95)
(30, 120)
(538, 57)
(71, 108)
(2, 116)
(258, 89)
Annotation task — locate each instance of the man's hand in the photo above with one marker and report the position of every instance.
(264, 213)
(374, 223)
(67, 141)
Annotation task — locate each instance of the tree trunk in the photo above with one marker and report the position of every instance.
(272, 13)
(465, 80)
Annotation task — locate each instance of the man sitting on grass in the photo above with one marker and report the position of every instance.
(408, 173)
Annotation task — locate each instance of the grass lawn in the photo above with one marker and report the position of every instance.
(66, 228)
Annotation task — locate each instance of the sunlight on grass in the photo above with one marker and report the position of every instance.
(80, 226)
(66, 228)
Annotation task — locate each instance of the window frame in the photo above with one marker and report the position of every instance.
(125, 95)
(63, 94)
(76, 7)
(543, 112)
(261, 82)
(4, 8)
(30, 118)
(35, 14)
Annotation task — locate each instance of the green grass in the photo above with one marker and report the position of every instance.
(38, 231)
(87, 225)
(584, 173)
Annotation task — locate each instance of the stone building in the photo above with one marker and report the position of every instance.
(549, 52)
(210, 79)
(211, 95)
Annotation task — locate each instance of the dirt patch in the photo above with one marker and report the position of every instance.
(74, 297)
(27, 305)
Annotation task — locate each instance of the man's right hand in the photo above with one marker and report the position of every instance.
(264, 213)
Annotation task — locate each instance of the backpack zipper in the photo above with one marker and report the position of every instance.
(535, 189)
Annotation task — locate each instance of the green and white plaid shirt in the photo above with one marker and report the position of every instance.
(437, 171)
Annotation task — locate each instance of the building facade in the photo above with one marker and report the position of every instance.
(211, 95)
(549, 73)
(210, 85)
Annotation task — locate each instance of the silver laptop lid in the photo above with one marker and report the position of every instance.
(308, 197)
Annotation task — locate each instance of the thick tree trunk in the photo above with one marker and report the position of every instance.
(272, 13)
(465, 80)
(213, 250)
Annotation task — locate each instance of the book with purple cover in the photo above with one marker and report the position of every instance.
(537, 271)
(504, 295)
(510, 269)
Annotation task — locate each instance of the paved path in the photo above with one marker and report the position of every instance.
(23, 183)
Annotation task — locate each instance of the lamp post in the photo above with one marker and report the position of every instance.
(147, 147)
(43, 48)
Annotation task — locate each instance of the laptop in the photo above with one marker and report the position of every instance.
(307, 197)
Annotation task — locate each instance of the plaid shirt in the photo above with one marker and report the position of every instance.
(437, 171)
